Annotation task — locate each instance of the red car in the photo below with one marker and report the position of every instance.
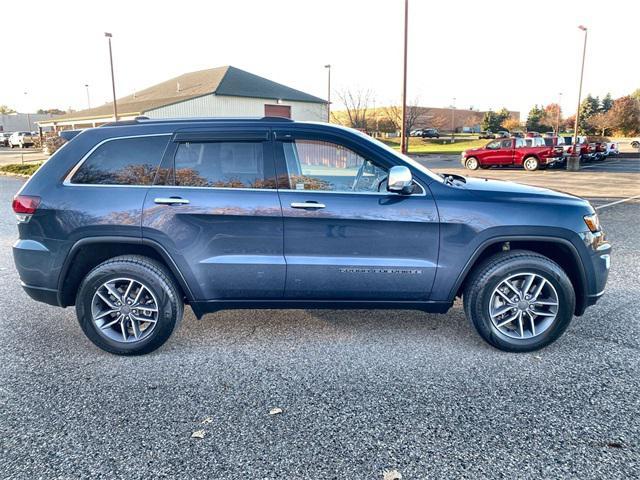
(512, 152)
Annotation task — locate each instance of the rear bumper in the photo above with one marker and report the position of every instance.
(41, 294)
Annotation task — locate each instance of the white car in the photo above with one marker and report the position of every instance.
(612, 149)
(21, 139)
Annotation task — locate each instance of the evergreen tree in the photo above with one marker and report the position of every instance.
(606, 104)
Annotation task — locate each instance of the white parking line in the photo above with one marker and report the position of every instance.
(617, 202)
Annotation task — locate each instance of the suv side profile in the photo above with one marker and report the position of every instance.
(131, 221)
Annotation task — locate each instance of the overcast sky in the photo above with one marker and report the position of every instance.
(487, 54)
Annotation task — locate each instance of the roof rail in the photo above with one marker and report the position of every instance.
(276, 119)
(142, 119)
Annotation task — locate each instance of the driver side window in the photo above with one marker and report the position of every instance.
(329, 167)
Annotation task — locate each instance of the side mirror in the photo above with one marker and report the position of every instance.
(400, 180)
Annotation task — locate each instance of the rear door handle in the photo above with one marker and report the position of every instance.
(171, 201)
(307, 205)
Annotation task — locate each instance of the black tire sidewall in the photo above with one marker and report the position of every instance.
(480, 297)
(169, 311)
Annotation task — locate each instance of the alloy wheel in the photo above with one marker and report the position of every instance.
(523, 306)
(124, 310)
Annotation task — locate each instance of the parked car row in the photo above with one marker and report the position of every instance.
(535, 152)
(16, 139)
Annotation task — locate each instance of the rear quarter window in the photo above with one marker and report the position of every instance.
(122, 161)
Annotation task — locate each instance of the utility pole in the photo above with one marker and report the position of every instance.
(328, 67)
(558, 115)
(573, 162)
(113, 80)
(403, 126)
(453, 120)
(88, 98)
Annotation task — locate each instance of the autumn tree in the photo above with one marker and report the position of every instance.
(625, 114)
(601, 122)
(4, 110)
(552, 115)
(511, 124)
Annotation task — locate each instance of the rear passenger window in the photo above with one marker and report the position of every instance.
(221, 165)
(123, 161)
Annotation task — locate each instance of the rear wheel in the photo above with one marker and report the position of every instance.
(472, 163)
(129, 305)
(519, 301)
(531, 164)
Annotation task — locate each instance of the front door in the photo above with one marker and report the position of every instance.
(215, 209)
(498, 152)
(346, 237)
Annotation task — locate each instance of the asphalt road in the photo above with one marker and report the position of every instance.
(361, 391)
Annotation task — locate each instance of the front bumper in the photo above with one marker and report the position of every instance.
(598, 269)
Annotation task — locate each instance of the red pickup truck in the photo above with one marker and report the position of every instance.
(529, 153)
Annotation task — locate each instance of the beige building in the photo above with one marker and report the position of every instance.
(217, 92)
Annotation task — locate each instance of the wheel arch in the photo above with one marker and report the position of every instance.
(84, 255)
(560, 250)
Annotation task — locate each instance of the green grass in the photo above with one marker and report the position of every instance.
(437, 145)
(26, 169)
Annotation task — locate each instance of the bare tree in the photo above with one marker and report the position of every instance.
(356, 104)
(394, 114)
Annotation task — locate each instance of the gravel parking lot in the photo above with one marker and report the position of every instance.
(361, 391)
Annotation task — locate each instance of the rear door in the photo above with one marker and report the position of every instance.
(346, 237)
(215, 209)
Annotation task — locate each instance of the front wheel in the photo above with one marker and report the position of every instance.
(472, 163)
(531, 164)
(129, 305)
(519, 301)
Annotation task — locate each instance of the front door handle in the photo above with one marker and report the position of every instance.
(171, 201)
(307, 205)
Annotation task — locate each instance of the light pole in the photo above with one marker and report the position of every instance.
(453, 120)
(113, 81)
(328, 67)
(573, 162)
(28, 116)
(88, 98)
(558, 115)
(403, 126)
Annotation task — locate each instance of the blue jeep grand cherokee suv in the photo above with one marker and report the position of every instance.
(130, 221)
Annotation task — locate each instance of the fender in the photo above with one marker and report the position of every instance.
(515, 238)
(126, 240)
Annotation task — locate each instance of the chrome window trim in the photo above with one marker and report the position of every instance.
(335, 192)
(67, 181)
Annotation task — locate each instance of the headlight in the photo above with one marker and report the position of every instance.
(593, 222)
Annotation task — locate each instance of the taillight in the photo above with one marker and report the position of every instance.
(24, 206)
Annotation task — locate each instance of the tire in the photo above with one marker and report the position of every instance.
(531, 164)
(122, 338)
(480, 296)
(472, 163)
